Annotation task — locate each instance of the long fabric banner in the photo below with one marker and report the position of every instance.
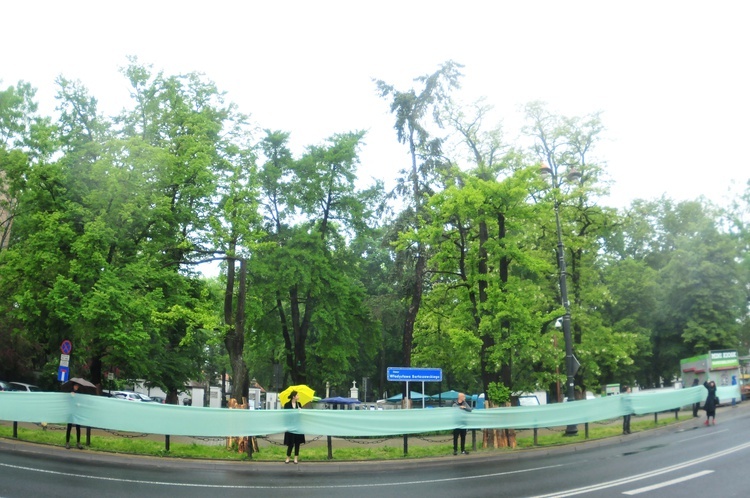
(154, 418)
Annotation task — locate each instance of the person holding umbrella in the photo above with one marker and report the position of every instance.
(291, 439)
(77, 386)
(70, 426)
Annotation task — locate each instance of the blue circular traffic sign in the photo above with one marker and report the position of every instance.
(66, 347)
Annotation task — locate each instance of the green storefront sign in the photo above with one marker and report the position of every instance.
(721, 360)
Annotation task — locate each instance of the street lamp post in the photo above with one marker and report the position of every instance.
(570, 361)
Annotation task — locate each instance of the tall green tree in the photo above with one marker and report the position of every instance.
(565, 145)
(410, 108)
(701, 304)
(312, 210)
(25, 141)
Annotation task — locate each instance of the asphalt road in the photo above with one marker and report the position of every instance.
(683, 460)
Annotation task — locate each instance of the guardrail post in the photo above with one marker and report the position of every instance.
(586, 430)
(166, 442)
(249, 446)
(406, 444)
(330, 449)
(473, 440)
(88, 436)
(536, 436)
(15, 430)
(656, 418)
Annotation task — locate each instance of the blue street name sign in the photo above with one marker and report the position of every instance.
(408, 374)
(63, 374)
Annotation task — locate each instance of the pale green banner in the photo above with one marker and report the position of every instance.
(155, 418)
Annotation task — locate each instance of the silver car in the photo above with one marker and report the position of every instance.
(131, 396)
(22, 386)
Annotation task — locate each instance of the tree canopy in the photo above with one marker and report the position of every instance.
(105, 222)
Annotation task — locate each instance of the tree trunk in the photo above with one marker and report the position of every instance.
(413, 310)
(498, 438)
(234, 340)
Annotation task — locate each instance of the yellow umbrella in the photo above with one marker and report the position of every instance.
(305, 394)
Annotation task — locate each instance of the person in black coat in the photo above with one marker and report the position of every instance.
(696, 406)
(70, 426)
(291, 439)
(710, 404)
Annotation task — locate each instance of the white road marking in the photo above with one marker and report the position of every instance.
(707, 434)
(645, 475)
(560, 494)
(668, 483)
(276, 486)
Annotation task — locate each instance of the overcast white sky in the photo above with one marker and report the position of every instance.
(670, 77)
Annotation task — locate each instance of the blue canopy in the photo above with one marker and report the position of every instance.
(338, 400)
(446, 395)
(414, 395)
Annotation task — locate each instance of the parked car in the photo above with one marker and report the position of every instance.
(131, 396)
(22, 386)
(158, 399)
(589, 395)
(6, 386)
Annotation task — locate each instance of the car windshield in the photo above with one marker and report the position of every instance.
(24, 387)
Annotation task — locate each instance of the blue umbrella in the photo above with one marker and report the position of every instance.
(338, 400)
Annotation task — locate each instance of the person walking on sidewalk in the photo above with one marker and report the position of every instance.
(460, 433)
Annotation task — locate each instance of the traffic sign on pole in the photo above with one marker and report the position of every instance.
(63, 374)
(66, 347)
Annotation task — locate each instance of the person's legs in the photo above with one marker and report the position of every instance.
(296, 451)
(67, 436)
(463, 440)
(710, 414)
(78, 437)
(456, 432)
(289, 451)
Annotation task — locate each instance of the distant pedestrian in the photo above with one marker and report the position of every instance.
(70, 426)
(711, 402)
(77, 386)
(696, 406)
(626, 418)
(291, 439)
(460, 433)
